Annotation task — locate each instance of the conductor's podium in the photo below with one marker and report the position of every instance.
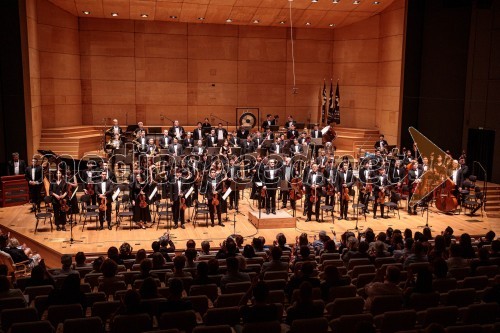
(282, 219)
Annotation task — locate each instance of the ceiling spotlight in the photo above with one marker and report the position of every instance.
(201, 18)
(335, 1)
(376, 2)
(308, 23)
(114, 14)
(332, 24)
(144, 15)
(86, 12)
(173, 16)
(314, 0)
(229, 21)
(256, 21)
(282, 22)
(356, 2)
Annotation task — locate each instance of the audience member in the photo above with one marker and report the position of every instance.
(233, 273)
(304, 307)
(388, 287)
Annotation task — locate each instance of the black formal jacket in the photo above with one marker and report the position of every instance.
(38, 174)
(10, 168)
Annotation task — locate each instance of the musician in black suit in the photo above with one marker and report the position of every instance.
(276, 147)
(188, 141)
(270, 180)
(206, 127)
(243, 133)
(221, 132)
(140, 190)
(140, 128)
(165, 140)
(211, 139)
(199, 132)
(233, 174)
(151, 148)
(34, 176)
(175, 148)
(414, 177)
(366, 180)
(104, 190)
(141, 142)
(176, 131)
(233, 140)
(268, 135)
(289, 172)
(212, 186)
(331, 182)
(457, 177)
(316, 133)
(397, 173)
(268, 122)
(380, 184)
(381, 144)
(198, 149)
(109, 174)
(59, 192)
(16, 166)
(258, 140)
(292, 133)
(114, 129)
(346, 180)
(247, 146)
(290, 122)
(296, 148)
(322, 159)
(313, 184)
(177, 191)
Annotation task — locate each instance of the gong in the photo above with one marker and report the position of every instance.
(248, 120)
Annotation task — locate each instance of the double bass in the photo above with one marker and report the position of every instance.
(445, 200)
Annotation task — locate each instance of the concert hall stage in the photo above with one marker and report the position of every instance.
(21, 223)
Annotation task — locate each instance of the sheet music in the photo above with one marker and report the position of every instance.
(224, 197)
(115, 195)
(153, 193)
(325, 129)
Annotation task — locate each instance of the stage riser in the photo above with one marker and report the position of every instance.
(271, 221)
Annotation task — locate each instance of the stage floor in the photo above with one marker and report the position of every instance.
(90, 240)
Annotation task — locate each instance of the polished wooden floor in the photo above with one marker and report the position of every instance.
(20, 220)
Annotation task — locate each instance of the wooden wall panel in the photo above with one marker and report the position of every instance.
(223, 71)
(161, 69)
(261, 72)
(161, 46)
(212, 47)
(259, 49)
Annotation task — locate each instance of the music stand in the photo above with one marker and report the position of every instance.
(299, 126)
(212, 151)
(274, 128)
(187, 150)
(236, 151)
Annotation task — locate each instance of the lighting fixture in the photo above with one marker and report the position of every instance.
(356, 2)
(376, 2)
(256, 21)
(335, 1)
(173, 16)
(201, 18)
(114, 14)
(229, 20)
(144, 15)
(86, 12)
(314, 0)
(308, 23)
(282, 22)
(332, 24)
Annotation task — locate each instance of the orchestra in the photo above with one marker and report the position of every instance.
(201, 164)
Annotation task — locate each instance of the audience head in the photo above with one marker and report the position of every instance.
(307, 269)
(191, 244)
(202, 269)
(158, 260)
(232, 264)
(238, 239)
(281, 239)
(97, 263)
(146, 266)
(190, 254)
(113, 253)
(66, 261)
(363, 247)
(213, 267)
(330, 246)
(248, 251)
(257, 244)
(179, 263)
(427, 233)
(125, 249)
(140, 256)
(80, 258)
(408, 233)
(276, 253)
(155, 246)
(205, 247)
(109, 268)
(175, 287)
(305, 252)
(392, 274)
(490, 236)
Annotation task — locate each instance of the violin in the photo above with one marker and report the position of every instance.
(263, 192)
(90, 189)
(183, 203)
(345, 194)
(142, 201)
(215, 199)
(330, 190)
(314, 195)
(381, 196)
(102, 205)
(296, 190)
(64, 205)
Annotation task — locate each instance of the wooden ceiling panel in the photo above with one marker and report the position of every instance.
(243, 15)
(93, 6)
(243, 12)
(217, 13)
(191, 12)
(122, 7)
(139, 7)
(164, 11)
(68, 6)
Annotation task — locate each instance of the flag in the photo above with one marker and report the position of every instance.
(323, 104)
(330, 104)
(336, 109)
